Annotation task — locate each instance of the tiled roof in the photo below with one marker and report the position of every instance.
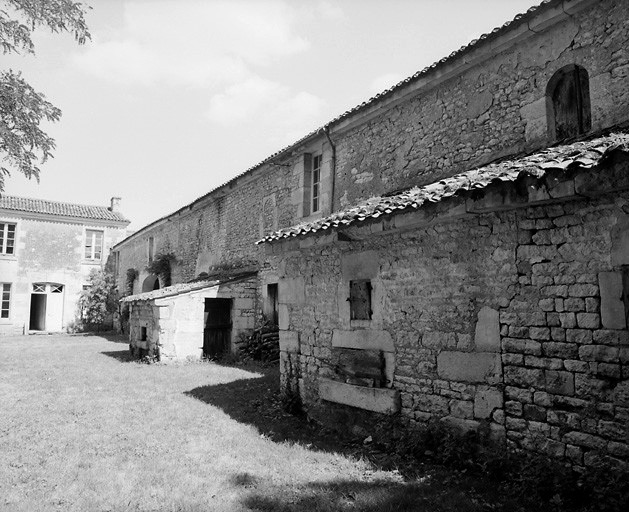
(27, 204)
(435, 67)
(582, 155)
(178, 289)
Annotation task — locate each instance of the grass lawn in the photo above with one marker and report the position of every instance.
(82, 428)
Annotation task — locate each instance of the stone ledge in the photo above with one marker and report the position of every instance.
(382, 400)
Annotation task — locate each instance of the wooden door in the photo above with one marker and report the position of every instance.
(218, 327)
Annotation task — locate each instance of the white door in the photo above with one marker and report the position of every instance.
(54, 308)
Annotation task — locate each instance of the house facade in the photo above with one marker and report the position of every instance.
(452, 248)
(47, 250)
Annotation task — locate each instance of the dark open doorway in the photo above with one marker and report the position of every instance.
(38, 312)
(218, 327)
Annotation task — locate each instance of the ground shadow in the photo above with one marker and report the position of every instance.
(124, 356)
(426, 486)
(430, 495)
(257, 402)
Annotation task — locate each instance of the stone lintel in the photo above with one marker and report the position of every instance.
(487, 335)
(382, 400)
(365, 339)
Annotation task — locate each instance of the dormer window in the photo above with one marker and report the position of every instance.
(568, 103)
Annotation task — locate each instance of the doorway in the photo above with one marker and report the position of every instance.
(218, 327)
(46, 307)
(38, 312)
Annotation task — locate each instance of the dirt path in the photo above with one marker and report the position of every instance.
(83, 428)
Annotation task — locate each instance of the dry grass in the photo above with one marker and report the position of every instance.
(82, 428)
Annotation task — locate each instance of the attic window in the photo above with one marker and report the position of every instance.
(568, 103)
(360, 300)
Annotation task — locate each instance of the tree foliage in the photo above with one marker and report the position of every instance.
(23, 144)
(99, 300)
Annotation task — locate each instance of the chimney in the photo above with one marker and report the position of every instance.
(115, 204)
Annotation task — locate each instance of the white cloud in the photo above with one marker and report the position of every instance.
(270, 103)
(386, 81)
(197, 43)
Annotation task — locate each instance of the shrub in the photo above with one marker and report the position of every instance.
(98, 302)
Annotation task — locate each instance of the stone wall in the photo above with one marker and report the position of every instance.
(508, 320)
(493, 109)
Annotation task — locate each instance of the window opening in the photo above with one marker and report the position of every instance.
(360, 300)
(39, 288)
(568, 103)
(143, 334)
(93, 244)
(7, 238)
(56, 288)
(316, 181)
(5, 304)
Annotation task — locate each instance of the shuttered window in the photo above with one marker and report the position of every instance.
(360, 300)
(569, 103)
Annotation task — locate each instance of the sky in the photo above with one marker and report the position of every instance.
(172, 98)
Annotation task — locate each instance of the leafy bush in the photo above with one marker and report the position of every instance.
(161, 266)
(98, 302)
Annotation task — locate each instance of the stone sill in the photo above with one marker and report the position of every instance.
(382, 400)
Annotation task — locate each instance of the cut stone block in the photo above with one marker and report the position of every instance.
(612, 305)
(469, 367)
(382, 400)
(486, 401)
(487, 335)
(365, 339)
(289, 341)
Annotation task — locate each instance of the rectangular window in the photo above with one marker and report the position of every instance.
(360, 300)
(93, 244)
(5, 303)
(316, 181)
(7, 238)
(151, 248)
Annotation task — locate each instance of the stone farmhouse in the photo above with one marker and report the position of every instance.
(455, 248)
(47, 250)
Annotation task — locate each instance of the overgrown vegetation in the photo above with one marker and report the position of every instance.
(532, 479)
(161, 266)
(98, 302)
(132, 275)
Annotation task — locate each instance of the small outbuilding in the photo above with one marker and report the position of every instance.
(192, 320)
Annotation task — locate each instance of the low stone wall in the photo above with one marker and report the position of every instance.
(511, 321)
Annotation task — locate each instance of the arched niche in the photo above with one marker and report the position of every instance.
(150, 283)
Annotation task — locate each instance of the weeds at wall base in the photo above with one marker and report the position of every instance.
(533, 480)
